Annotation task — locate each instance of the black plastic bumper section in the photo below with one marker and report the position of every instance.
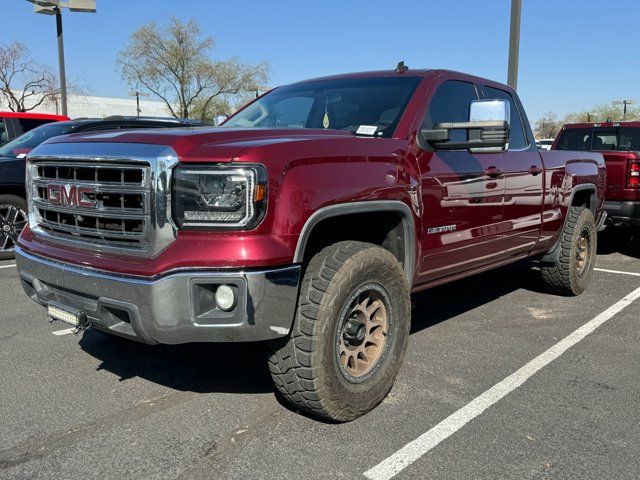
(623, 213)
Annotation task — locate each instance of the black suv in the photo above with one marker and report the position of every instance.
(13, 204)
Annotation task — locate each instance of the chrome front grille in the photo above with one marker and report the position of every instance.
(101, 203)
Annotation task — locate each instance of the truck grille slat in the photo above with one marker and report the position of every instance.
(103, 203)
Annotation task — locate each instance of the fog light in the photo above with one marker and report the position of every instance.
(225, 298)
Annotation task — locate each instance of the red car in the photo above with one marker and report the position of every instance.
(14, 124)
(619, 143)
(306, 221)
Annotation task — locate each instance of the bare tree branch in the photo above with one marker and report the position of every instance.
(24, 84)
(172, 62)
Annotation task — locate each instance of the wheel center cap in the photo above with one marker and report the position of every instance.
(354, 332)
(6, 228)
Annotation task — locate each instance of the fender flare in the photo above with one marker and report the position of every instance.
(372, 206)
(550, 256)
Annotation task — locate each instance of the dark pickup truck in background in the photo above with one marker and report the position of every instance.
(619, 143)
(306, 220)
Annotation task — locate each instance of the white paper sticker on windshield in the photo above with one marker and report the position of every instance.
(366, 130)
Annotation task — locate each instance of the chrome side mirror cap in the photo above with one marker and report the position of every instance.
(490, 111)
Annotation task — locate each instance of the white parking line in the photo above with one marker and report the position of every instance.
(411, 452)
(617, 271)
(7, 266)
(66, 331)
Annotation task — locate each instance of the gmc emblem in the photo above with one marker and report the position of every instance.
(71, 196)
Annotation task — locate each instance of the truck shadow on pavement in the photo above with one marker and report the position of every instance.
(196, 367)
(442, 303)
(242, 367)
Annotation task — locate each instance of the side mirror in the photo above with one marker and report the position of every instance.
(220, 119)
(487, 129)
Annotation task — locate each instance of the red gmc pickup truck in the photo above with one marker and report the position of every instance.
(619, 143)
(306, 221)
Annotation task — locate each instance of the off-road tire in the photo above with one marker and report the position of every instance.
(305, 366)
(560, 271)
(17, 203)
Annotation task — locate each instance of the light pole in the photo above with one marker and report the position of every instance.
(624, 104)
(514, 43)
(138, 94)
(54, 7)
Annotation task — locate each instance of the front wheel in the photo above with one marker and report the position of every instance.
(13, 218)
(349, 335)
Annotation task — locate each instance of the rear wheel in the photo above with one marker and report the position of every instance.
(13, 218)
(349, 335)
(568, 271)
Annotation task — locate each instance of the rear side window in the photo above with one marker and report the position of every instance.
(451, 103)
(517, 139)
(575, 139)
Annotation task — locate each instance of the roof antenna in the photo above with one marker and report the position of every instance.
(401, 68)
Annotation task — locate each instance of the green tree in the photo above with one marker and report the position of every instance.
(172, 61)
(602, 113)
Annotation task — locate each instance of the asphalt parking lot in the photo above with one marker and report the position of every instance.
(94, 406)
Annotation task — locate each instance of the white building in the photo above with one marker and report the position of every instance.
(98, 107)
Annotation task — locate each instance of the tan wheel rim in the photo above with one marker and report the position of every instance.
(582, 252)
(363, 335)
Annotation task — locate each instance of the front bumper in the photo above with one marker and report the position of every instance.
(623, 213)
(175, 308)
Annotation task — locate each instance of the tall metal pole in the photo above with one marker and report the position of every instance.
(514, 43)
(138, 102)
(63, 76)
(624, 110)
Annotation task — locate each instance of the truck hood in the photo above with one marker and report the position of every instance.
(208, 143)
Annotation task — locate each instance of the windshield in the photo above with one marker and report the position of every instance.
(30, 140)
(600, 139)
(371, 106)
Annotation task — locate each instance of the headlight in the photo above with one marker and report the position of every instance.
(218, 196)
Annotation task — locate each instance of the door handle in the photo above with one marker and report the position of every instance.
(493, 172)
(535, 170)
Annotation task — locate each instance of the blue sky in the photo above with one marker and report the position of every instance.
(574, 53)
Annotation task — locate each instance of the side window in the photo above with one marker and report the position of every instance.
(517, 139)
(451, 103)
(4, 135)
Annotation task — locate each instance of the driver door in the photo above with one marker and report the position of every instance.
(462, 194)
